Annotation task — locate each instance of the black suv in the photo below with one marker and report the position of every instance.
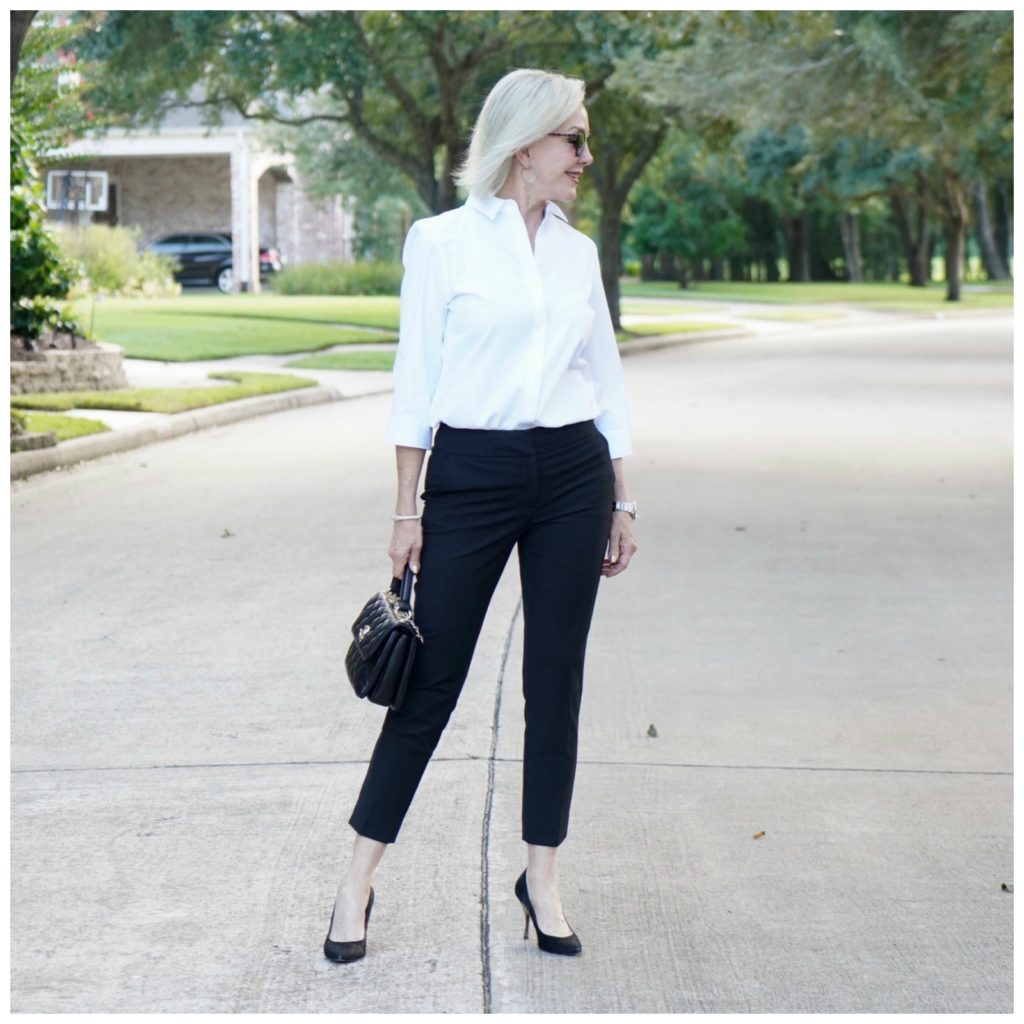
(206, 258)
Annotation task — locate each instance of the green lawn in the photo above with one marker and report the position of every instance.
(65, 427)
(166, 399)
(670, 327)
(875, 295)
(220, 326)
(213, 326)
(374, 360)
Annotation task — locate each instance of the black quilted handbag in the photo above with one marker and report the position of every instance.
(384, 639)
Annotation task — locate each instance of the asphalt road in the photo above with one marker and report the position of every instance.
(817, 624)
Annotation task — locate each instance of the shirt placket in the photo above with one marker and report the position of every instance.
(538, 336)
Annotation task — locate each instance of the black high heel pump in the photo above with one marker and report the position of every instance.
(567, 945)
(346, 952)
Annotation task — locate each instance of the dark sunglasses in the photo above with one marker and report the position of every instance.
(579, 139)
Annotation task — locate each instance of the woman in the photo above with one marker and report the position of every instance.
(532, 424)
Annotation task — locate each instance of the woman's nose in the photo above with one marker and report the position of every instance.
(586, 157)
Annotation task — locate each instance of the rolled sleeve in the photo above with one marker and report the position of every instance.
(602, 355)
(420, 331)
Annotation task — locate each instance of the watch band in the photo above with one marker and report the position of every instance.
(625, 506)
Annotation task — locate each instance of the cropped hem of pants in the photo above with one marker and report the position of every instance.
(549, 491)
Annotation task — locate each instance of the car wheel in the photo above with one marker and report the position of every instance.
(225, 279)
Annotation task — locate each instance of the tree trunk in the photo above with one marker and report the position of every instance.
(849, 229)
(991, 260)
(1003, 229)
(20, 21)
(957, 206)
(915, 239)
(681, 272)
(646, 266)
(798, 247)
(611, 257)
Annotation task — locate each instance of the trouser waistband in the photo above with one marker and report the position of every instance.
(475, 441)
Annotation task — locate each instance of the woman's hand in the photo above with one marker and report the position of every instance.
(406, 545)
(621, 544)
(407, 535)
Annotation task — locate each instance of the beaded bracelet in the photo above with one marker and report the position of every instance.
(396, 518)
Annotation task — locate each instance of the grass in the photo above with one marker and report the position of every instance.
(871, 295)
(212, 326)
(220, 326)
(373, 360)
(670, 327)
(64, 427)
(167, 400)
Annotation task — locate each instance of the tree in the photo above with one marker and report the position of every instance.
(39, 276)
(927, 87)
(406, 85)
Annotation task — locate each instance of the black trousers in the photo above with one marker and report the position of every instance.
(548, 490)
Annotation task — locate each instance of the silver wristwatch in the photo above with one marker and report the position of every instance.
(625, 506)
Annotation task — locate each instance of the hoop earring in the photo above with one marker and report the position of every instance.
(526, 180)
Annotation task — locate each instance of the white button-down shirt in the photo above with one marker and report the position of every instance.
(497, 335)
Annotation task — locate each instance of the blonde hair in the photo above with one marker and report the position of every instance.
(521, 107)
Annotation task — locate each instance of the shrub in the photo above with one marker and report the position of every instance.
(39, 275)
(110, 262)
(379, 277)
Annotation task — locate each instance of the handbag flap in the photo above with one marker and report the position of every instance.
(375, 623)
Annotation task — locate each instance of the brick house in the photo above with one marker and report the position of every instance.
(185, 177)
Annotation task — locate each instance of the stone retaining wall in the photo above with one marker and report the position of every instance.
(91, 370)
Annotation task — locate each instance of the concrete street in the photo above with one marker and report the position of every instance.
(817, 625)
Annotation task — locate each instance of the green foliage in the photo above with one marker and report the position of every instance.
(48, 91)
(19, 422)
(220, 326)
(683, 205)
(64, 427)
(376, 359)
(39, 276)
(111, 262)
(168, 400)
(336, 278)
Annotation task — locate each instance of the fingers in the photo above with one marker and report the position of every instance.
(405, 548)
(621, 548)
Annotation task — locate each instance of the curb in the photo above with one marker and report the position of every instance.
(636, 345)
(80, 449)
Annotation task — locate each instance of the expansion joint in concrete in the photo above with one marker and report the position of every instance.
(485, 831)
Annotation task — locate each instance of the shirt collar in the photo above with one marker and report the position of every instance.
(490, 206)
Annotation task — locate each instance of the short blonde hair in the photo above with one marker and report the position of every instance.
(522, 107)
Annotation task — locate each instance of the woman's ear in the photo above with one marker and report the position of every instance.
(523, 156)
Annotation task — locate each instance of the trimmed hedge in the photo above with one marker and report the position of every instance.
(337, 278)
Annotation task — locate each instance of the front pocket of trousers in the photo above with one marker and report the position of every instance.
(466, 475)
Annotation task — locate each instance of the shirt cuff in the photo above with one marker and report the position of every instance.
(409, 432)
(619, 443)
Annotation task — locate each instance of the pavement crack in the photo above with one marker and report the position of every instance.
(485, 837)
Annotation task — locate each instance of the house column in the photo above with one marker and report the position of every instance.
(245, 255)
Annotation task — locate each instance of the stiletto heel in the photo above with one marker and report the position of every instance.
(346, 952)
(567, 945)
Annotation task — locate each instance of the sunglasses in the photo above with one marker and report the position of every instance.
(579, 139)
